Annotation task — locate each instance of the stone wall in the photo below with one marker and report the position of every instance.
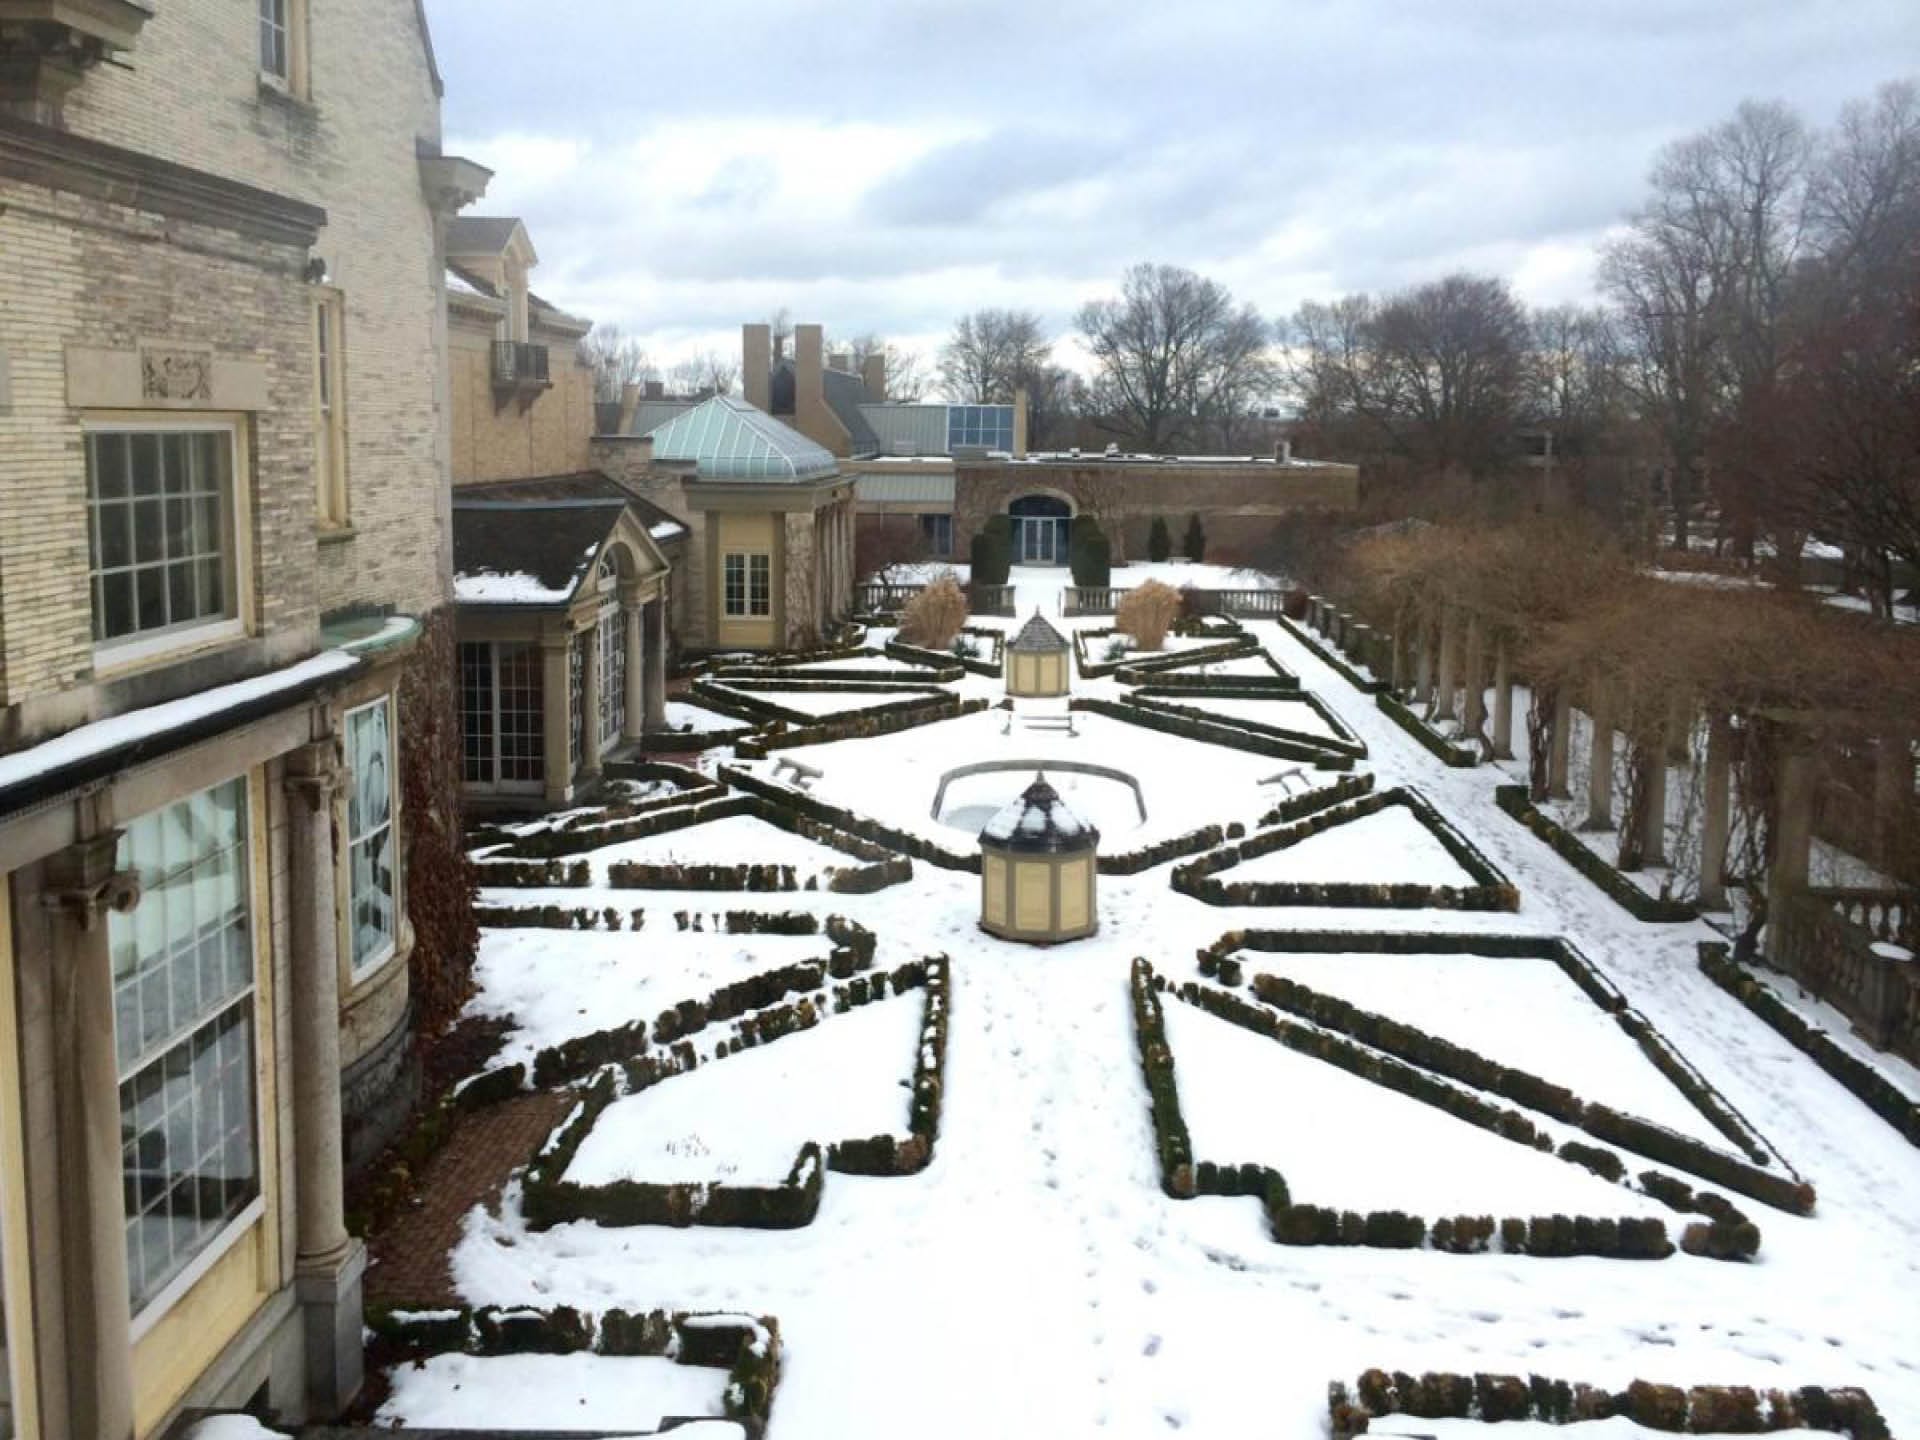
(510, 439)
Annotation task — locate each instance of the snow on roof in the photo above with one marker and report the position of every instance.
(515, 587)
(666, 529)
(1039, 821)
(102, 737)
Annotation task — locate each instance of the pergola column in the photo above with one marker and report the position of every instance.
(1653, 808)
(633, 617)
(82, 885)
(1561, 743)
(556, 717)
(1397, 646)
(328, 1262)
(1503, 698)
(590, 682)
(1449, 677)
(655, 700)
(1475, 677)
(1600, 760)
(1792, 843)
(1716, 821)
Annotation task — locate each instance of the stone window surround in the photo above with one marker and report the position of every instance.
(117, 658)
(295, 79)
(332, 497)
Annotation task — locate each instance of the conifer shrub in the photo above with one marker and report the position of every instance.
(1159, 541)
(991, 552)
(1090, 554)
(1196, 539)
(934, 618)
(1147, 612)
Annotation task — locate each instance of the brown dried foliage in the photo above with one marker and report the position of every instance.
(1147, 612)
(933, 618)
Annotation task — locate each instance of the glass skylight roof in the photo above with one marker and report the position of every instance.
(731, 440)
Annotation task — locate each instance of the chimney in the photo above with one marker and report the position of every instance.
(809, 388)
(629, 401)
(656, 390)
(756, 365)
(873, 373)
(1020, 423)
(1283, 450)
(841, 360)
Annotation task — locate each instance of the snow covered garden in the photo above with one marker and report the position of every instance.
(1362, 1110)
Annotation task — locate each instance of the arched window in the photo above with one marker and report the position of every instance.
(1040, 529)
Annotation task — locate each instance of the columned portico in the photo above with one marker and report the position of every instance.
(556, 703)
(589, 718)
(655, 698)
(634, 719)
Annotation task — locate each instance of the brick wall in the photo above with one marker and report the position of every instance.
(511, 439)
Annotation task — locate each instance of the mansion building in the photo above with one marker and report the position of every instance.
(226, 685)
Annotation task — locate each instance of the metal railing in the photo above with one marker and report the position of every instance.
(517, 363)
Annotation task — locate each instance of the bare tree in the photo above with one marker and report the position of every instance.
(991, 353)
(709, 373)
(906, 376)
(1172, 355)
(780, 329)
(617, 361)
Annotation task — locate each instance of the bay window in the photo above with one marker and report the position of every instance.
(184, 1032)
(372, 898)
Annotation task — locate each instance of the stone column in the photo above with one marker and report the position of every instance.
(82, 886)
(656, 645)
(590, 682)
(1600, 761)
(1475, 678)
(633, 616)
(1398, 642)
(1715, 822)
(1792, 843)
(1562, 744)
(1449, 677)
(556, 703)
(1423, 662)
(328, 1262)
(1503, 699)
(1653, 811)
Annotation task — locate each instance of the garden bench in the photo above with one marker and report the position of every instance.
(1285, 779)
(803, 774)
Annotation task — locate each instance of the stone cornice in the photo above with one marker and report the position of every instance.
(60, 161)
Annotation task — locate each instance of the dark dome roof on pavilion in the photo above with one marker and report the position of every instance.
(1039, 823)
(1037, 634)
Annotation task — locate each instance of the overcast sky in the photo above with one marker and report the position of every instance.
(683, 167)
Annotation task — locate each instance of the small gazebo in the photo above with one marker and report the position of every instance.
(1037, 660)
(1037, 870)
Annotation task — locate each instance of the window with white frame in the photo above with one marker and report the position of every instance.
(160, 529)
(372, 892)
(576, 698)
(276, 39)
(329, 424)
(747, 582)
(183, 982)
(502, 716)
(613, 674)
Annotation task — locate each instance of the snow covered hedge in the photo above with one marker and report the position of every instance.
(1619, 887)
(1490, 890)
(1368, 684)
(849, 821)
(1085, 642)
(532, 874)
(1342, 742)
(1697, 1410)
(862, 726)
(746, 1346)
(1448, 752)
(1218, 730)
(993, 642)
(743, 696)
(880, 867)
(1192, 675)
(1873, 1089)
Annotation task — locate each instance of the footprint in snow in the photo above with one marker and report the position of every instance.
(1152, 1347)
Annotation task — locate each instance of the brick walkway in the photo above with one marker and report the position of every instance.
(409, 1260)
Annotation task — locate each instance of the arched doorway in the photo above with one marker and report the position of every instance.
(1040, 529)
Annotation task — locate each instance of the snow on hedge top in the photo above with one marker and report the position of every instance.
(1039, 820)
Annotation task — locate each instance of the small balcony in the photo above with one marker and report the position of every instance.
(519, 371)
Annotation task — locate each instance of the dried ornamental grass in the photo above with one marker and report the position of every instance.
(934, 617)
(1147, 612)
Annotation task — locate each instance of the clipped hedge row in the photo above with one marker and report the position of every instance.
(851, 640)
(944, 671)
(1299, 1224)
(1232, 647)
(745, 696)
(547, 844)
(1490, 890)
(1216, 730)
(989, 665)
(849, 821)
(549, 1199)
(1448, 752)
(1695, 1410)
(880, 869)
(1327, 655)
(1345, 741)
(884, 1154)
(608, 918)
(1872, 1088)
(532, 874)
(1190, 676)
(746, 1346)
(864, 726)
(1619, 887)
(1785, 1191)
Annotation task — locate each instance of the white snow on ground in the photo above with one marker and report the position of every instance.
(1345, 1142)
(1389, 847)
(1616, 1428)
(743, 1119)
(733, 840)
(1240, 665)
(1294, 715)
(829, 702)
(549, 1392)
(231, 1427)
(1524, 1013)
(1186, 784)
(1179, 573)
(685, 715)
(1035, 1280)
(865, 662)
(556, 984)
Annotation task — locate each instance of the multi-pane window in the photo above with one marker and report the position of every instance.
(370, 838)
(613, 674)
(576, 699)
(329, 426)
(503, 723)
(987, 425)
(747, 585)
(158, 505)
(276, 39)
(184, 1033)
(937, 532)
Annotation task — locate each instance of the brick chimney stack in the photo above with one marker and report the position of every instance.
(873, 374)
(756, 365)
